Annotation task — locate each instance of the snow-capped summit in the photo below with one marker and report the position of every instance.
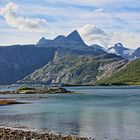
(120, 50)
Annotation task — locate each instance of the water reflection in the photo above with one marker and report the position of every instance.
(110, 115)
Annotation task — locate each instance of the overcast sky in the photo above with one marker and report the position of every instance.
(98, 21)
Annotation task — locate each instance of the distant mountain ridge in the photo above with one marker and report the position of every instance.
(119, 49)
(74, 41)
(72, 38)
(65, 59)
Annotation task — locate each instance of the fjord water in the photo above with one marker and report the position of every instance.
(104, 113)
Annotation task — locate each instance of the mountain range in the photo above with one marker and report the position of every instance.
(126, 53)
(63, 60)
(75, 41)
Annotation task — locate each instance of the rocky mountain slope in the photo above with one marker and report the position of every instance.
(75, 69)
(129, 75)
(126, 53)
(120, 50)
(136, 54)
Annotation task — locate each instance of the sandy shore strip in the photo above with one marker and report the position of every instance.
(9, 102)
(21, 134)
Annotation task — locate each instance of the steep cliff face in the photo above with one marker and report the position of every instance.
(17, 61)
(75, 69)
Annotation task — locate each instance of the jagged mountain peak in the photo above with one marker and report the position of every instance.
(43, 42)
(43, 39)
(75, 32)
(70, 40)
(74, 37)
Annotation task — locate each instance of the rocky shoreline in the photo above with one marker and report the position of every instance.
(28, 90)
(19, 134)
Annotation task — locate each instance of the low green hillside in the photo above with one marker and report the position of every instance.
(129, 76)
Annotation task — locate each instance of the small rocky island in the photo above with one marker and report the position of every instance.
(29, 90)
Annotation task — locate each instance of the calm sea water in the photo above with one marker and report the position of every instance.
(104, 113)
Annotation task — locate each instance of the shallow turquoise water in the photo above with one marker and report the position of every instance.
(105, 113)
